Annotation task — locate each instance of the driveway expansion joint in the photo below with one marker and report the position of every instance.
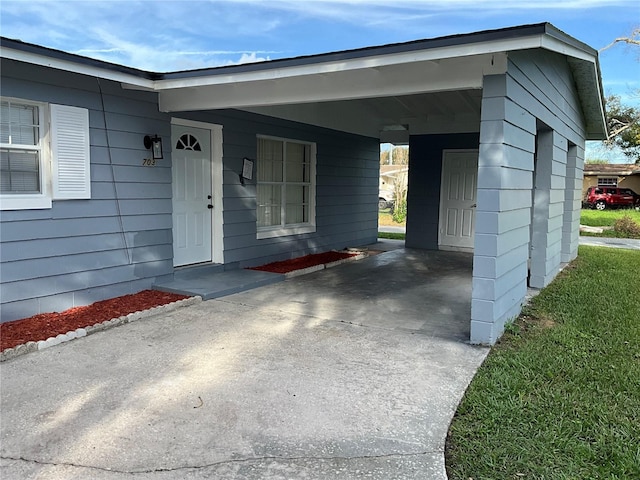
(308, 315)
(224, 462)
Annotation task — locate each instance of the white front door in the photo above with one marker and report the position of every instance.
(458, 199)
(192, 194)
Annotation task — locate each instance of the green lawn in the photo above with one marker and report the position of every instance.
(392, 236)
(605, 218)
(559, 396)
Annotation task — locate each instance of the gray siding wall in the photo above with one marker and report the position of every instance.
(538, 89)
(120, 241)
(548, 207)
(572, 203)
(423, 195)
(347, 172)
(80, 251)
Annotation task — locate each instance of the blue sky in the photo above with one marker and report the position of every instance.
(167, 35)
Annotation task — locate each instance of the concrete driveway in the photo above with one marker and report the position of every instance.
(348, 373)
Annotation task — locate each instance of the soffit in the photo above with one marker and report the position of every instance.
(390, 118)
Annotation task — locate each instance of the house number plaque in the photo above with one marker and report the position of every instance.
(149, 162)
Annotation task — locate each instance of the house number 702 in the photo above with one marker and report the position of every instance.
(149, 162)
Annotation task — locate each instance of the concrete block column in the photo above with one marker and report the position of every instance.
(505, 179)
(572, 203)
(548, 207)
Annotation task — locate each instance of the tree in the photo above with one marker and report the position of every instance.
(400, 197)
(633, 39)
(623, 122)
(399, 156)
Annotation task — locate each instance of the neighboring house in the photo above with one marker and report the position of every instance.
(611, 175)
(267, 161)
(391, 176)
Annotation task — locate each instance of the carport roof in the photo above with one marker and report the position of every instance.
(373, 84)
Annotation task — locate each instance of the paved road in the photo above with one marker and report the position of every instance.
(628, 243)
(382, 228)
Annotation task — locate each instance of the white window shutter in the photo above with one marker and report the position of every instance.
(70, 151)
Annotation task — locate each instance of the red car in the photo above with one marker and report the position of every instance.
(610, 197)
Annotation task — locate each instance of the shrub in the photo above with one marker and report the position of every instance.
(626, 227)
(400, 212)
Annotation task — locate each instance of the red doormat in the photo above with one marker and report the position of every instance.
(307, 261)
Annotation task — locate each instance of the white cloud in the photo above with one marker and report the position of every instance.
(250, 58)
(170, 35)
(389, 11)
(176, 35)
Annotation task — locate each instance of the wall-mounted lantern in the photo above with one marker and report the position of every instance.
(155, 145)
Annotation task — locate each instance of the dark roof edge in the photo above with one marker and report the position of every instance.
(612, 168)
(438, 42)
(74, 58)
(389, 49)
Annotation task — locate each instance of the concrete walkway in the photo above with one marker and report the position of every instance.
(392, 229)
(351, 372)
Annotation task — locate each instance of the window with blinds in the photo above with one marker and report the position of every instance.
(20, 148)
(285, 186)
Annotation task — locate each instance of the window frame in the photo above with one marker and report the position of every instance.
(32, 201)
(608, 183)
(283, 229)
(65, 156)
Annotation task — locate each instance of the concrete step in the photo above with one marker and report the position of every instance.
(212, 281)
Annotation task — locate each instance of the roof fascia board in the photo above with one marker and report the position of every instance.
(371, 62)
(76, 67)
(264, 71)
(412, 78)
(560, 46)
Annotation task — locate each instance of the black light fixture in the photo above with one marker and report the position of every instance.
(155, 145)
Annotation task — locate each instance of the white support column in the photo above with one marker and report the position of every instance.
(505, 179)
(548, 208)
(572, 203)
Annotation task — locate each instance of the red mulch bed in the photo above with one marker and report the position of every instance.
(45, 325)
(299, 263)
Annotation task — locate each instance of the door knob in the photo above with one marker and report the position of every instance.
(209, 206)
(209, 197)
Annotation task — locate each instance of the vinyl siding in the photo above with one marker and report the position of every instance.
(120, 240)
(535, 101)
(116, 243)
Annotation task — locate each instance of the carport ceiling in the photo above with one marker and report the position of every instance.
(390, 118)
